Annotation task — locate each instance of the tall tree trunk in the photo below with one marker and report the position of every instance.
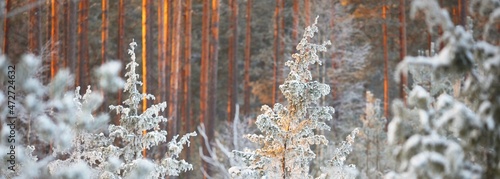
(161, 51)
(32, 29)
(6, 27)
(214, 58)
(205, 62)
(295, 32)
(66, 34)
(83, 60)
(386, 64)
(233, 50)
(402, 53)
(248, 38)
(144, 65)
(104, 43)
(186, 87)
(121, 46)
(175, 69)
(167, 50)
(54, 38)
(277, 48)
(307, 7)
(104, 30)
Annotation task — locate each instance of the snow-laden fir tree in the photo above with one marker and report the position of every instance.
(452, 138)
(288, 131)
(132, 124)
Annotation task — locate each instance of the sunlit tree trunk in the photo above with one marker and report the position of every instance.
(145, 16)
(386, 63)
(104, 30)
(205, 62)
(233, 49)
(248, 38)
(186, 87)
(402, 53)
(175, 68)
(54, 38)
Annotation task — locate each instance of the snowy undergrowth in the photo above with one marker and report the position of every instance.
(81, 142)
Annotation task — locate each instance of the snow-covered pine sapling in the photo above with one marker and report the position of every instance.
(288, 130)
(132, 125)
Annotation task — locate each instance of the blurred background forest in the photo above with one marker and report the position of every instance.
(216, 61)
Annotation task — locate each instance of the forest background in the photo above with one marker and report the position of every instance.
(205, 58)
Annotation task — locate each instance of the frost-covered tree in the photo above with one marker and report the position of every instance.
(45, 114)
(80, 145)
(370, 152)
(445, 137)
(337, 167)
(288, 131)
(140, 130)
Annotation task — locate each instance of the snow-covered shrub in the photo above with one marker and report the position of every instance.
(453, 139)
(220, 157)
(337, 167)
(288, 131)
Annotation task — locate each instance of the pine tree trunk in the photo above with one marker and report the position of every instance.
(205, 62)
(121, 47)
(144, 65)
(214, 58)
(5, 45)
(307, 7)
(248, 38)
(233, 49)
(175, 69)
(386, 64)
(402, 33)
(32, 29)
(104, 30)
(186, 106)
(277, 48)
(82, 79)
(296, 16)
(66, 30)
(167, 50)
(54, 38)
(161, 51)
